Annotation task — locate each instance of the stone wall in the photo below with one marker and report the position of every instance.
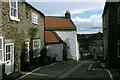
(18, 32)
(0, 33)
(0, 17)
(111, 31)
(113, 35)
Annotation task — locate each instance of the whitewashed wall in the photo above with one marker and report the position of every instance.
(70, 37)
(55, 50)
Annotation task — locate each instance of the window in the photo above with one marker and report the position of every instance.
(26, 52)
(34, 18)
(13, 10)
(119, 48)
(1, 50)
(26, 15)
(36, 48)
(119, 15)
(8, 51)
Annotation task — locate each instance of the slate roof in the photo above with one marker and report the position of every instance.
(58, 23)
(51, 37)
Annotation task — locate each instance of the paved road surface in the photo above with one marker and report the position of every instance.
(65, 70)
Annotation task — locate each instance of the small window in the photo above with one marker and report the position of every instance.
(36, 48)
(34, 18)
(119, 15)
(26, 15)
(1, 50)
(119, 48)
(13, 10)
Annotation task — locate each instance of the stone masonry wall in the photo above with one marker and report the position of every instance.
(0, 17)
(18, 32)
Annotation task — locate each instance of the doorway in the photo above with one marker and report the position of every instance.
(9, 58)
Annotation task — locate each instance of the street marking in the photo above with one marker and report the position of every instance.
(89, 68)
(69, 72)
(33, 71)
(41, 74)
(109, 74)
(50, 65)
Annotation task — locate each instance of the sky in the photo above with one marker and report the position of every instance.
(86, 14)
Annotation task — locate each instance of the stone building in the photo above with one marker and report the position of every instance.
(66, 30)
(111, 34)
(0, 40)
(21, 35)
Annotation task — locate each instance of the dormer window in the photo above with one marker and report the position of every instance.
(14, 10)
(34, 18)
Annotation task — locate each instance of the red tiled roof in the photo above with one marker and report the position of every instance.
(50, 37)
(58, 22)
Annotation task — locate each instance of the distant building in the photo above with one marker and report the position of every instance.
(66, 30)
(91, 43)
(111, 34)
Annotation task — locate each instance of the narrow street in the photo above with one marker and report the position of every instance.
(68, 69)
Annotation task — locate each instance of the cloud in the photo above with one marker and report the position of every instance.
(59, 8)
(84, 14)
(65, 0)
(88, 25)
(78, 11)
(78, 19)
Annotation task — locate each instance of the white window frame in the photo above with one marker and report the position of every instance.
(13, 17)
(118, 15)
(2, 60)
(36, 48)
(9, 52)
(118, 49)
(28, 49)
(34, 18)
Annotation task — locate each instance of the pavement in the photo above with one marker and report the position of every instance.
(68, 70)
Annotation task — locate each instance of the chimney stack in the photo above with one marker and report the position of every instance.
(67, 15)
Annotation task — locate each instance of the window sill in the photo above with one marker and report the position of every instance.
(14, 19)
(2, 63)
(35, 23)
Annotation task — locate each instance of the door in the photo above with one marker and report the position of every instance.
(9, 58)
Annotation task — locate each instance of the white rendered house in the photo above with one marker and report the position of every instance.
(66, 30)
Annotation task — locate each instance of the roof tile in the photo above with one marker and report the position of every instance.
(50, 37)
(58, 22)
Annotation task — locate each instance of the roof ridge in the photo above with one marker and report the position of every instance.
(57, 36)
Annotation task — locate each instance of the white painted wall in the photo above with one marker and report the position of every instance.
(55, 50)
(70, 37)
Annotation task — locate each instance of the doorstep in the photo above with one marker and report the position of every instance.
(13, 76)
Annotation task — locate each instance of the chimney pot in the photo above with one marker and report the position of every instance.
(68, 15)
